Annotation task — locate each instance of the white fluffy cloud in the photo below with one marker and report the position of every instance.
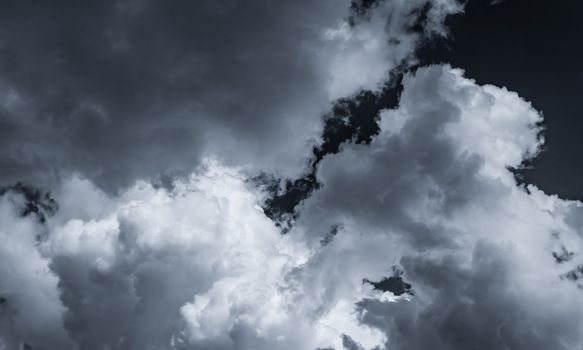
(199, 267)
(29, 300)
(432, 193)
(363, 55)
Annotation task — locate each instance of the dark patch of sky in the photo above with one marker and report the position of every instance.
(535, 48)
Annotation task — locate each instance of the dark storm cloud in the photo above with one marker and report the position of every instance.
(129, 89)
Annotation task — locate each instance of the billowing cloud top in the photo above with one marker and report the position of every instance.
(413, 236)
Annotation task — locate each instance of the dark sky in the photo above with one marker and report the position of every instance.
(535, 49)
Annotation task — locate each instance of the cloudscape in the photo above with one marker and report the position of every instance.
(293, 174)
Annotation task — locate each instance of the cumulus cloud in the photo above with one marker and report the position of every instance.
(29, 300)
(433, 194)
(200, 266)
(197, 267)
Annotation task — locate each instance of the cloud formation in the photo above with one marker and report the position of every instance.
(433, 194)
(136, 89)
(409, 228)
(200, 266)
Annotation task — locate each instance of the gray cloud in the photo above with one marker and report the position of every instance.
(124, 90)
(482, 305)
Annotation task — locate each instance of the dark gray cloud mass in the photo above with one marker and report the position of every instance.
(119, 90)
(473, 307)
(172, 142)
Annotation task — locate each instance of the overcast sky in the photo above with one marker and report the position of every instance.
(294, 174)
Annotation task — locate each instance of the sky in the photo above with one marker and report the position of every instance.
(332, 174)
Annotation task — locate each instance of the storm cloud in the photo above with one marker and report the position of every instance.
(126, 90)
